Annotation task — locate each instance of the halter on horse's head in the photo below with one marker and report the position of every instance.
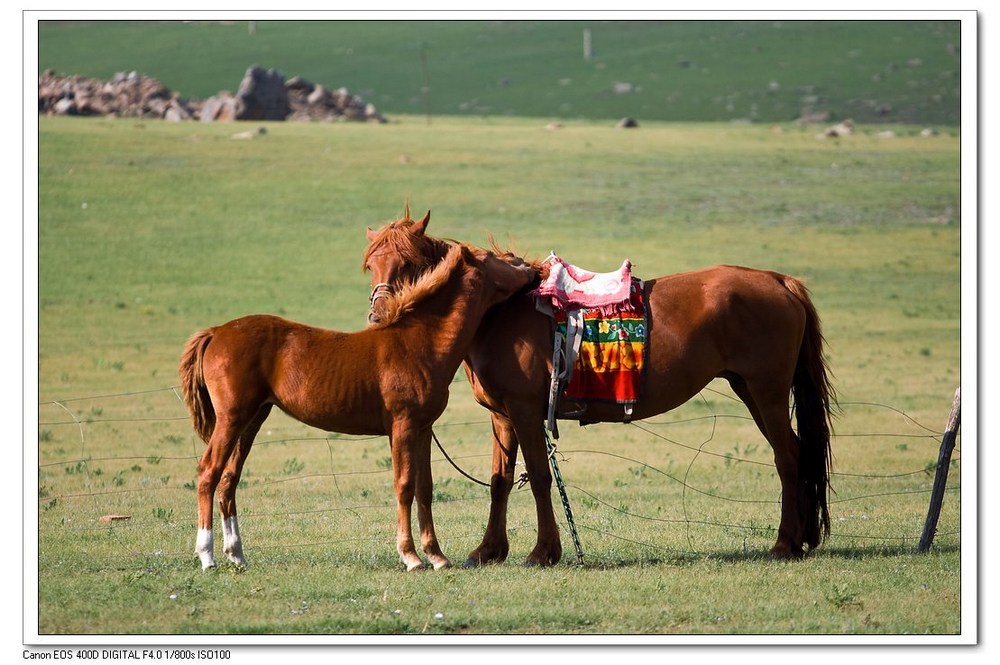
(397, 253)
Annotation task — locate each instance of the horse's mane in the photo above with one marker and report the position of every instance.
(405, 298)
(514, 258)
(433, 260)
(423, 251)
(418, 250)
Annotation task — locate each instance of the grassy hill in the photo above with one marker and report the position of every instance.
(759, 71)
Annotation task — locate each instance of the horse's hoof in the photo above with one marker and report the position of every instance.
(239, 562)
(543, 559)
(480, 557)
(442, 564)
(785, 554)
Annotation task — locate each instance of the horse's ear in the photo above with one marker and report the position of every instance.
(420, 226)
(371, 234)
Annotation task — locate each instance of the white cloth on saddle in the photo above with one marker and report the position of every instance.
(570, 287)
(572, 290)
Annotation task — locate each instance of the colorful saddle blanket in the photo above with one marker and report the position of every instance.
(600, 339)
(612, 351)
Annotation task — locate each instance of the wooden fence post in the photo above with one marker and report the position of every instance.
(941, 475)
(425, 89)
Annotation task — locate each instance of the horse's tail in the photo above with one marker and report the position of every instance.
(813, 396)
(196, 397)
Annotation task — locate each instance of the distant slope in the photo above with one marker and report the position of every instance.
(760, 71)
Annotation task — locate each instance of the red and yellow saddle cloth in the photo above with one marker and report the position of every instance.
(612, 351)
(601, 333)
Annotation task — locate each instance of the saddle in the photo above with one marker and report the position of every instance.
(568, 287)
(599, 345)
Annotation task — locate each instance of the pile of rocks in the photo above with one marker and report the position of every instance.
(316, 102)
(262, 95)
(125, 95)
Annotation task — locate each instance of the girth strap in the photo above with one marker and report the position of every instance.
(565, 349)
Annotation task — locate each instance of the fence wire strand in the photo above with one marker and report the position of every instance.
(117, 530)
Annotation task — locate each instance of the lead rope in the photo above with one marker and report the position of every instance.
(551, 452)
(551, 448)
(457, 467)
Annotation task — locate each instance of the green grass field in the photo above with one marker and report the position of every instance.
(148, 231)
(754, 71)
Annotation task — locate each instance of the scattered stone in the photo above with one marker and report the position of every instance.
(114, 518)
(845, 128)
(250, 133)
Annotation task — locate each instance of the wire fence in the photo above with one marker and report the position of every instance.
(123, 466)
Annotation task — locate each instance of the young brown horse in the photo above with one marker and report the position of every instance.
(392, 379)
(757, 329)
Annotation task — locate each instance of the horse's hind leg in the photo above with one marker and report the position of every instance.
(495, 545)
(232, 544)
(230, 423)
(213, 461)
(769, 408)
(739, 387)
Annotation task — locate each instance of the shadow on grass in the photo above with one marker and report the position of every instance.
(684, 559)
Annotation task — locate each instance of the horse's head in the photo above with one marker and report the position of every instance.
(503, 275)
(398, 253)
(401, 251)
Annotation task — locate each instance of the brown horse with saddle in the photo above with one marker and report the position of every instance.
(757, 329)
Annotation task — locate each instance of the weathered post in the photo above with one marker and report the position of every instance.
(587, 49)
(425, 89)
(941, 475)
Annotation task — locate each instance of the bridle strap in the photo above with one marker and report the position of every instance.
(380, 290)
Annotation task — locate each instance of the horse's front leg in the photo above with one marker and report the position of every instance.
(495, 544)
(425, 495)
(531, 434)
(411, 465)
